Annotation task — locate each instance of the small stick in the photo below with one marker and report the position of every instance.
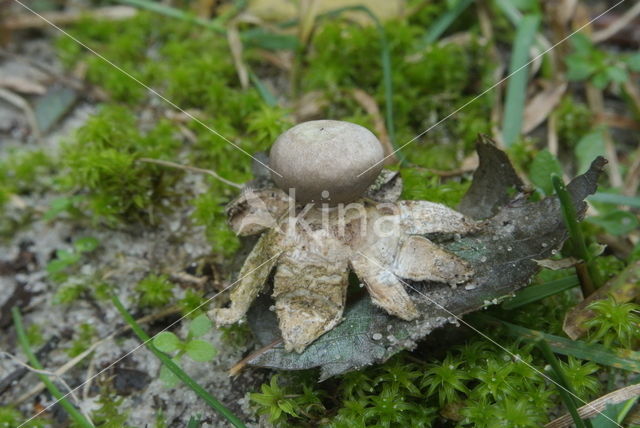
(191, 169)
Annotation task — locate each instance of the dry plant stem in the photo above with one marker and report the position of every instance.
(613, 28)
(585, 280)
(111, 13)
(552, 135)
(633, 177)
(191, 169)
(595, 100)
(597, 406)
(486, 27)
(561, 13)
(60, 371)
(235, 45)
(240, 365)
(632, 90)
(308, 14)
(368, 103)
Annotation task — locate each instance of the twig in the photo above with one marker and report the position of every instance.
(614, 27)
(598, 405)
(60, 371)
(112, 13)
(47, 373)
(237, 367)
(191, 169)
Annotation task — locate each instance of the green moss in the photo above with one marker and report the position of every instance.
(82, 339)
(575, 120)
(102, 161)
(615, 324)
(34, 334)
(109, 414)
(192, 304)
(154, 291)
(23, 172)
(424, 185)
(427, 87)
(12, 418)
(236, 335)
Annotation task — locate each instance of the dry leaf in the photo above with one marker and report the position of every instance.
(541, 106)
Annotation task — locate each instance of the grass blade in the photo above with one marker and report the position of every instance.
(184, 377)
(564, 387)
(74, 413)
(264, 92)
(194, 422)
(621, 359)
(576, 236)
(539, 292)
(517, 85)
(443, 22)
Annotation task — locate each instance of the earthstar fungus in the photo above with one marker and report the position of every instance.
(314, 246)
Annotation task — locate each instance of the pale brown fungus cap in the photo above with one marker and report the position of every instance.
(326, 161)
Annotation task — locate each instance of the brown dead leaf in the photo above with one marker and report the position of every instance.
(623, 288)
(541, 106)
